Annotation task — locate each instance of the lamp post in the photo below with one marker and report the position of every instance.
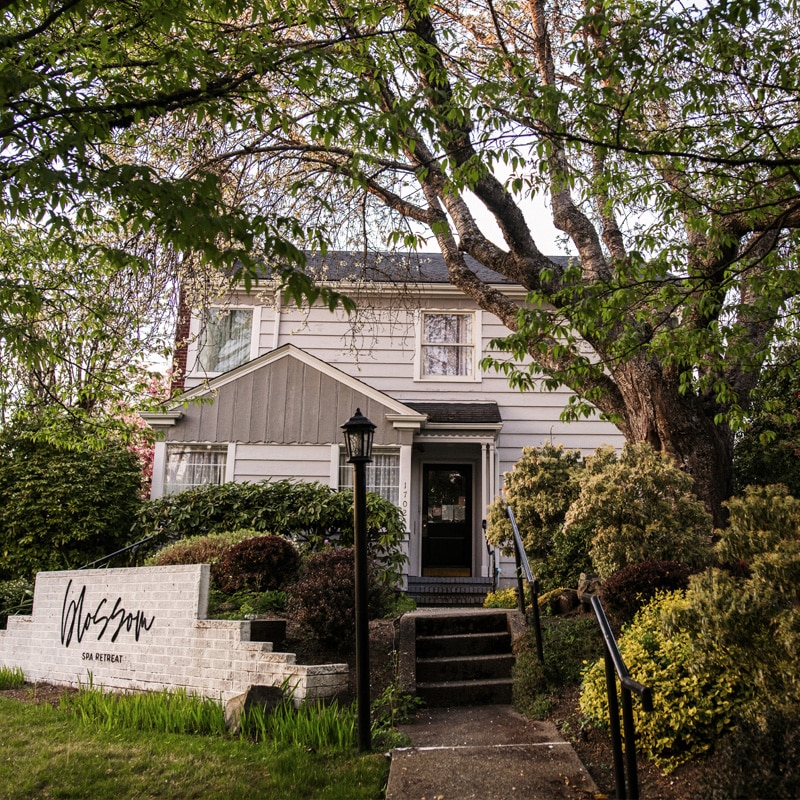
(358, 433)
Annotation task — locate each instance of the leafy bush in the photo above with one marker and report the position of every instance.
(540, 489)
(751, 621)
(502, 598)
(640, 507)
(322, 601)
(767, 451)
(16, 597)
(724, 652)
(262, 563)
(692, 706)
(241, 605)
(758, 759)
(203, 549)
(61, 508)
(625, 591)
(567, 643)
(310, 514)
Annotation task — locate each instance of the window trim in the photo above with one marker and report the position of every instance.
(224, 469)
(342, 468)
(477, 340)
(196, 329)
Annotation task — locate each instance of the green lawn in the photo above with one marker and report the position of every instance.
(46, 753)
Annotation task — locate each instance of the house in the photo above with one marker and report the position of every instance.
(274, 383)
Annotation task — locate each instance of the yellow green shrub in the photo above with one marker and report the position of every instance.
(502, 598)
(691, 707)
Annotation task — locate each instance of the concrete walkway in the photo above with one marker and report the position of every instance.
(486, 753)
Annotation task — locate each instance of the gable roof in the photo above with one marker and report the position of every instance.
(370, 267)
(285, 396)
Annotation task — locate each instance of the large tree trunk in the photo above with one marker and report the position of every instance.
(679, 424)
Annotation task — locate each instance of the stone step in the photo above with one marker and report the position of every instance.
(440, 694)
(445, 624)
(463, 644)
(464, 668)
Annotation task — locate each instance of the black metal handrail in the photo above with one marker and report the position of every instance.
(106, 559)
(524, 569)
(615, 668)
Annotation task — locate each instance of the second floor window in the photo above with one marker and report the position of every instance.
(447, 345)
(224, 341)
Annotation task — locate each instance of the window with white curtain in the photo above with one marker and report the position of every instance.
(225, 339)
(194, 465)
(383, 474)
(447, 345)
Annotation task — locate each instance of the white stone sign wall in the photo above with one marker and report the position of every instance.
(146, 628)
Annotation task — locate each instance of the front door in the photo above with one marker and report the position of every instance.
(447, 520)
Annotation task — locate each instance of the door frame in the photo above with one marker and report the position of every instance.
(465, 566)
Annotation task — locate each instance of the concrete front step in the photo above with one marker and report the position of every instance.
(457, 659)
(463, 644)
(455, 623)
(444, 694)
(464, 668)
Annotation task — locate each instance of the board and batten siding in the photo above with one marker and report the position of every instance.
(285, 401)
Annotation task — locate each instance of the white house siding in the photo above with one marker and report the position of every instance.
(256, 462)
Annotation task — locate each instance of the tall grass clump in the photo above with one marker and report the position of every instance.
(11, 678)
(324, 727)
(167, 711)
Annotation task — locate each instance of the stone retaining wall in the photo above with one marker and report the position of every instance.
(146, 628)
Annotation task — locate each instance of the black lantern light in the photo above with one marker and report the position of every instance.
(358, 435)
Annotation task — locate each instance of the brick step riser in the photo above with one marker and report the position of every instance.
(446, 670)
(448, 602)
(456, 625)
(478, 694)
(463, 645)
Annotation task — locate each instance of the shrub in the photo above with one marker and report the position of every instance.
(261, 563)
(502, 598)
(692, 706)
(540, 489)
(724, 652)
(758, 759)
(567, 643)
(640, 507)
(322, 601)
(16, 597)
(59, 507)
(310, 514)
(625, 591)
(204, 549)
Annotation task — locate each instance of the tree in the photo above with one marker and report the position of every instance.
(664, 137)
(93, 232)
(767, 450)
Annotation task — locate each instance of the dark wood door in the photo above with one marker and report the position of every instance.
(447, 520)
